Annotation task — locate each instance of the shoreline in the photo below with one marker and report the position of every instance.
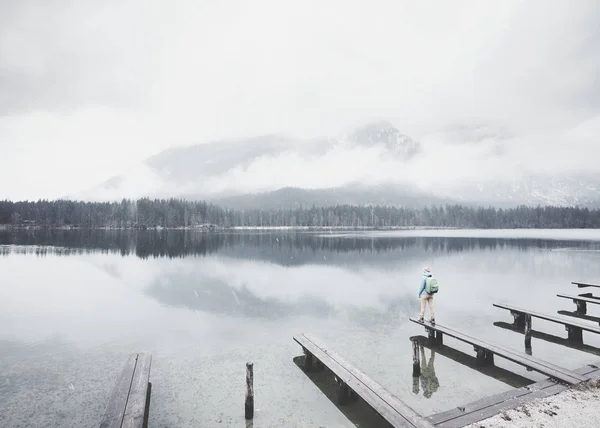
(576, 406)
(234, 228)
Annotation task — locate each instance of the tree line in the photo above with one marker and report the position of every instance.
(175, 213)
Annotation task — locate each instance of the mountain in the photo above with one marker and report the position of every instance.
(373, 164)
(353, 194)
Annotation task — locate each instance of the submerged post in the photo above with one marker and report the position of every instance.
(249, 391)
(527, 331)
(416, 362)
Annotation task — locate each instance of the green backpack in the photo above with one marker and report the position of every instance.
(431, 285)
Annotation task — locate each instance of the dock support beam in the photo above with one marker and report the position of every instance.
(575, 334)
(343, 392)
(416, 359)
(519, 319)
(435, 337)
(581, 307)
(484, 357)
(308, 360)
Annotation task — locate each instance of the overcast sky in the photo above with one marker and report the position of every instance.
(89, 89)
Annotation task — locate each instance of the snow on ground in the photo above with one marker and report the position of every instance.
(575, 407)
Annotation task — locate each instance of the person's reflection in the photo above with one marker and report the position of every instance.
(428, 379)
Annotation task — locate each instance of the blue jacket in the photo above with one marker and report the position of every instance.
(423, 284)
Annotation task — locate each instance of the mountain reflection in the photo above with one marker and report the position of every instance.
(217, 296)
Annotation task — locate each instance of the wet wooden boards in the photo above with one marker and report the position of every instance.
(581, 302)
(490, 406)
(129, 404)
(584, 285)
(517, 357)
(574, 328)
(388, 406)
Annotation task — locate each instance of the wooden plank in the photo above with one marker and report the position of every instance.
(487, 402)
(521, 358)
(491, 406)
(584, 284)
(551, 338)
(517, 357)
(115, 409)
(558, 320)
(534, 363)
(575, 314)
(347, 374)
(407, 412)
(386, 411)
(580, 298)
(498, 373)
(135, 411)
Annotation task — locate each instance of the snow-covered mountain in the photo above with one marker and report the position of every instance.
(374, 164)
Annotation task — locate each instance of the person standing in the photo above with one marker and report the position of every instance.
(426, 292)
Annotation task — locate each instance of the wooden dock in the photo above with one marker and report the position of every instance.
(574, 329)
(487, 350)
(129, 405)
(351, 379)
(584, 284)
(352, 383)
(581, 302)
(503, 375)
(490, 406)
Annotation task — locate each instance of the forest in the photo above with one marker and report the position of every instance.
(176, 213)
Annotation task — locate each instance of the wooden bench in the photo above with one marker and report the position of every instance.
(129, 405)
(348, 377)
(575, 329)
(486, 351)
(581, 302)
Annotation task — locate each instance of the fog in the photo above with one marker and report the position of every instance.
(90, 90)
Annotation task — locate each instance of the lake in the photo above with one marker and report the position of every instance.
(75, 304)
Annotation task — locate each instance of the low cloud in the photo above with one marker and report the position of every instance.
(91, 89)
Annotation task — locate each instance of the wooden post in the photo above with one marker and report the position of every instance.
(527, 331)
(519, 319)
(416, 359)
(581, 307)
(343, 392)
(308, 360)
(575, 334)
(249, 391)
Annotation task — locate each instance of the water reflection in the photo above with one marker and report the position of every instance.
(283, 248)
(204, 304)
(428, 379)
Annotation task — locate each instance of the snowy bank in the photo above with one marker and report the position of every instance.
(576, 407)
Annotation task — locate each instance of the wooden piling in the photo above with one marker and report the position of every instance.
(249, 390)
(416, 359)
(527, 331)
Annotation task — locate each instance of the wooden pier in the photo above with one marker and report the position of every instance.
(503, 375)
(486, 351)
(352, 383)
(574, 329)
(129, 405)
(581, 301)
(351, 380)
(584, 284)
(490, 406)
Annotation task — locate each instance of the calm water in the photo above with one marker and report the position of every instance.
(74, 304)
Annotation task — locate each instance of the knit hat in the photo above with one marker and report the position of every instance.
(426, 272)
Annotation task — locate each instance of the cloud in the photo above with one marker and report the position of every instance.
(90, 88)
